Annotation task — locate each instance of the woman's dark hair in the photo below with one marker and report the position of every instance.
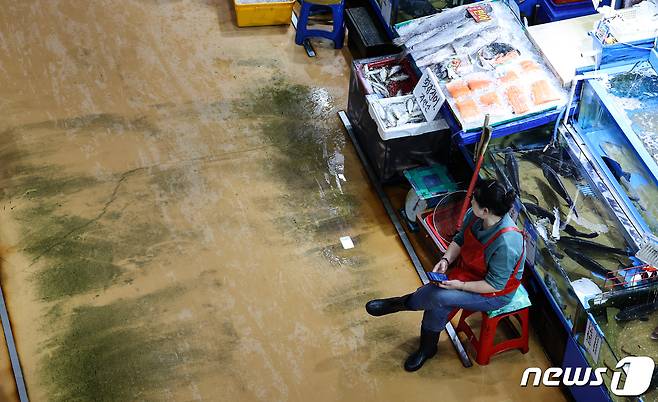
(492, 195)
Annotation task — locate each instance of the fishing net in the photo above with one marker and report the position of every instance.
(445, 217)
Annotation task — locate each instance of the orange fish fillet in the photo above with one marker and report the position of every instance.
(517, 99)
(509, 77)
(529, 65)
(490, 99)
(458, 89)
(468, 109)
(543, 93)
(504, 58)
(478, 83)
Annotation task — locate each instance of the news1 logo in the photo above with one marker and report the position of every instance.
(638, 369)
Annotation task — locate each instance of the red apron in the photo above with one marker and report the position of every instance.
(472, 264)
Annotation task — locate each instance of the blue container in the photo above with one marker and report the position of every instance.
(550, 11)
(621, 53)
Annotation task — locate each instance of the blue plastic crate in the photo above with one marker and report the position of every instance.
(621, 53)
(550, 11)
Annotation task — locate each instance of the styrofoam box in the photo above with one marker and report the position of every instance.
(407, 130)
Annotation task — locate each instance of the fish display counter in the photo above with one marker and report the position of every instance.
(387, 120)
(595, 303)
(588, 204)
(618, 124)
(486, 64)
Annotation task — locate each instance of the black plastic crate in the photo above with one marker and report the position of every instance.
(366, 37)
(389, 158)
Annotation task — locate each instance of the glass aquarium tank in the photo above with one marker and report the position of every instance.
(580, 254)
(618, 120)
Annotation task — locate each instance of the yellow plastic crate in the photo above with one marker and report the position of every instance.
(259, 14)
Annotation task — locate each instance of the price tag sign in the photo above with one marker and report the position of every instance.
(592, 340)
(479, 14)
(428, 94)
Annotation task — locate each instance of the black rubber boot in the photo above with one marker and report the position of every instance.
(379, 307)
(426, 350)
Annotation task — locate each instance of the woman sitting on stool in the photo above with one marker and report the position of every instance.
(488, 253)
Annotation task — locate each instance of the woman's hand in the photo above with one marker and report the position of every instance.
(452, 284)
(441, 266)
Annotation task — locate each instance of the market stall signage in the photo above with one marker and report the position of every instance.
(429, 95)
(592, 340)
(479, 14)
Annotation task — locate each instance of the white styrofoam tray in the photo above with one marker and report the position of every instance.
(406, 130)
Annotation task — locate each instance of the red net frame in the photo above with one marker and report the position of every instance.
(443, 220)
(626, 278)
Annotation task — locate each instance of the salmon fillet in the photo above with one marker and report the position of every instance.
(543, 93)
(517, 99)
(458, 89)
(529, 65)
(504, 58)
(509, 77)
(468, 109)
(490, 99)
(478, 83)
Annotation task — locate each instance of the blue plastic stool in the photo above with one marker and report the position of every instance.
(337, 35)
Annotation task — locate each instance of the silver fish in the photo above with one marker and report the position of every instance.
(383, 74)
(410, 105)
(441, 39)
(399, 77)
(395, 69)
(424, 24)
(380, 89)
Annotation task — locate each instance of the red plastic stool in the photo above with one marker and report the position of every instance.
(484, 346)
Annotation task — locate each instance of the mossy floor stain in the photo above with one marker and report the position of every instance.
(116, 352)
(76, 254)
(74, 260)
(300, 122)
(108, 352)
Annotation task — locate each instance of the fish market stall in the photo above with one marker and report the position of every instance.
(589, 292)
(589, 206)
(486, 65)
(387, 120)
(586, 190)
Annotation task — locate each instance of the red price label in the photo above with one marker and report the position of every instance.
(479, 14)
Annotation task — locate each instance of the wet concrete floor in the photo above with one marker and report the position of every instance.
(173, 193)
